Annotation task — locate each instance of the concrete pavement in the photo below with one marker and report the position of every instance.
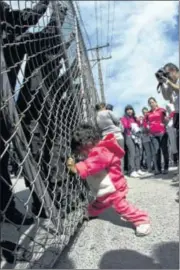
(108, 243)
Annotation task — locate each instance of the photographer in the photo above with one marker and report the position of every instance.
(168, 78)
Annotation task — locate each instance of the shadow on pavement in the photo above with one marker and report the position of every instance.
(165, 256)
(49, 259)
(127, 259)
(111, 216)
(64, 262)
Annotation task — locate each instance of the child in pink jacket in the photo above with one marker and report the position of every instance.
(102, 170)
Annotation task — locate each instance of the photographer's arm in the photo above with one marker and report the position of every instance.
(166, 92)
(175, 87)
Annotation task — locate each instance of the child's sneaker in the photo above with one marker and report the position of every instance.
(143, 229)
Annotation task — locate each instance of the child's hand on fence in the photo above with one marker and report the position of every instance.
(71, 165)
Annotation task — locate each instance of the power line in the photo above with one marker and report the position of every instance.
(113, 23)
(99, 69)
(108, 22)
(83, 25)
(107, 69)
(101, 24)
(96, 17)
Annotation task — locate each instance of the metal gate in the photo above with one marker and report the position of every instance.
(46, 89)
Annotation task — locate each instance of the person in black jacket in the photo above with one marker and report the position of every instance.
(13, 24)
(45, 52)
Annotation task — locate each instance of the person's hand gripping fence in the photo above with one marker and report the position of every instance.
(71, 165)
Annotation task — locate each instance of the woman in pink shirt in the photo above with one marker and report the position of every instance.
(156, 123)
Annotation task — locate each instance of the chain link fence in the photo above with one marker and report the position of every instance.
(47, 89)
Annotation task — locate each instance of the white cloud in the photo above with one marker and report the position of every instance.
(141, 45)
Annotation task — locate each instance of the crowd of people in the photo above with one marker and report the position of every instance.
(146, 139)
(150, 137)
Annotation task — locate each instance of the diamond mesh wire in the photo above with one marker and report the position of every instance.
(46, 90)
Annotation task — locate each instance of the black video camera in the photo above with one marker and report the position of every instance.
(161, 75)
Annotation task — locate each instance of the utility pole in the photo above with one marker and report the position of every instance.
(98, 60)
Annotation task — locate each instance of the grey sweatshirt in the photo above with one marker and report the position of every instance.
(108, 123)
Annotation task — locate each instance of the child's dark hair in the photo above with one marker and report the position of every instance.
(84, 135)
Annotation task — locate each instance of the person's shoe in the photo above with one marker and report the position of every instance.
(14, 216)
(157, 172)
(165, 171)
(134, 175)
(143, 230)
(141, 173)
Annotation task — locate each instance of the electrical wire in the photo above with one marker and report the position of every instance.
(86, 36)
(96, 18)
(101, 22)
(113, 23)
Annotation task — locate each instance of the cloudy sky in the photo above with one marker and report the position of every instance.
(145, 37)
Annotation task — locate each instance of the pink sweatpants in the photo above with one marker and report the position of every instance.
(118, 201)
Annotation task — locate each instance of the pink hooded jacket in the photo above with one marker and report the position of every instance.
(102, 167)
(126, 122)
